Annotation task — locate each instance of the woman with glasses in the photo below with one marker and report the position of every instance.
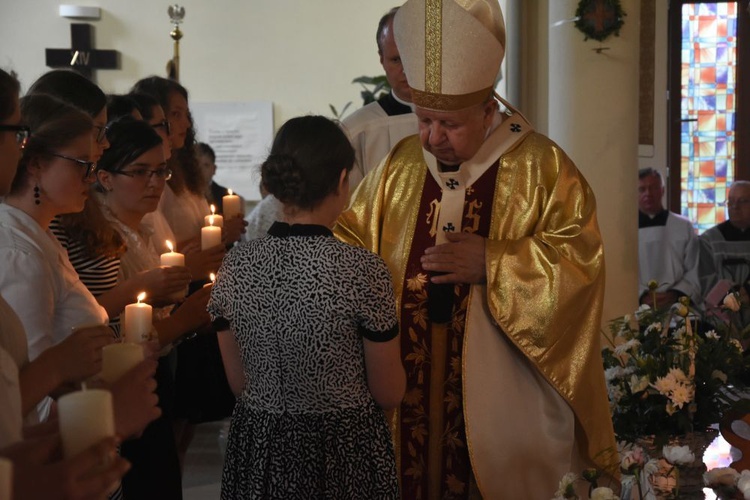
(38, 280)
(202, 391)
(153, 114)
(132, 175)
(56, 310)
(94, 246)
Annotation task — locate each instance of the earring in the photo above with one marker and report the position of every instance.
(37, 201)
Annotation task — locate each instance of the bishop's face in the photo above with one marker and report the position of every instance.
(454, 137)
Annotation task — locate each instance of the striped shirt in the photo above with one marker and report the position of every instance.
(98, 273)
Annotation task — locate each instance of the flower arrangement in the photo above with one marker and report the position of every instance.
(669, 374)
(641, 474)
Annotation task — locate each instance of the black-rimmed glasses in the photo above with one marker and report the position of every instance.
(144, 174)
(90, 165)
(164, 123)
(101, 133)
(22, 133)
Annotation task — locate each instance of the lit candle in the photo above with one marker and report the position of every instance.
(218, 219)
(86, 417)
(6, 478)
(172, 258)
(212, 277)
(210, 235)
(232, 205)
(118, 359)
(137, 321)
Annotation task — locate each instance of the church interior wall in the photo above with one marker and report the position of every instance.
(302, 57)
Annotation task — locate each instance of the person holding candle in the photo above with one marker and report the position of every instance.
(184, 204)
(49, 180)
(38, 472)
(50, 370)
(52, 178)
(132, 175)
(94, 247)
(199, 397)
(309, 337)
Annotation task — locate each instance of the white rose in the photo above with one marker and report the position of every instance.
(731, 302)
(603, 493)
(638, 384)
(651, 467)
(712, 335)
(566, 484)
(721, 476)
(678, 455)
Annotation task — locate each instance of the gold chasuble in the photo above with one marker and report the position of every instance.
(508, 393)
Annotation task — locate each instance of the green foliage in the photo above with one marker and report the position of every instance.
(373, 88)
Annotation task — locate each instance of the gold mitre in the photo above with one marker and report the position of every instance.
(451, 50)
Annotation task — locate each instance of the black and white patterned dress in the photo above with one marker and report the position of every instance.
(299, 302)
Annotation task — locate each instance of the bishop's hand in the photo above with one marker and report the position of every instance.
(461, 260)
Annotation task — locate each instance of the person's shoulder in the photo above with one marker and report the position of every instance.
(676, 218)
(359, 119)
(712, 234)
(363, 255)
(17, 235)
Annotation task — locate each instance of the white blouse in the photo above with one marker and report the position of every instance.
(39, 283)
(184, 213)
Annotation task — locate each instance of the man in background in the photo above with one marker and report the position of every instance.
(668, 248)
(725, 250)
(375, 128)
(207, 163)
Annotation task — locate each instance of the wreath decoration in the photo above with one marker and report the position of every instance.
(598, 19)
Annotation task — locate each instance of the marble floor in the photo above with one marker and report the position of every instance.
(202, 475)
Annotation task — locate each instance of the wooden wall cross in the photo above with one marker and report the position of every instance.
(81, 56)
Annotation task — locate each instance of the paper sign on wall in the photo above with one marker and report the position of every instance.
(240, 134)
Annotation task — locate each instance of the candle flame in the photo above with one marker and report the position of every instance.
(141, 296)
(169, 245)
(213, 209)
(229, 191)
(210, 220)
(213, 277)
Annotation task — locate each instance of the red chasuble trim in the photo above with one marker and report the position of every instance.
(432, 444)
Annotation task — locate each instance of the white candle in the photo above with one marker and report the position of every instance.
(6, 478)
(210, 235)
(86, 417)
(118, 359)
(137, 321)
(172, 258)
(218, 219)
(232, 206)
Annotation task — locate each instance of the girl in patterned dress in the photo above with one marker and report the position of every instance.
(309, 338)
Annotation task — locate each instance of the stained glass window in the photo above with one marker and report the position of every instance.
(709, 63)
